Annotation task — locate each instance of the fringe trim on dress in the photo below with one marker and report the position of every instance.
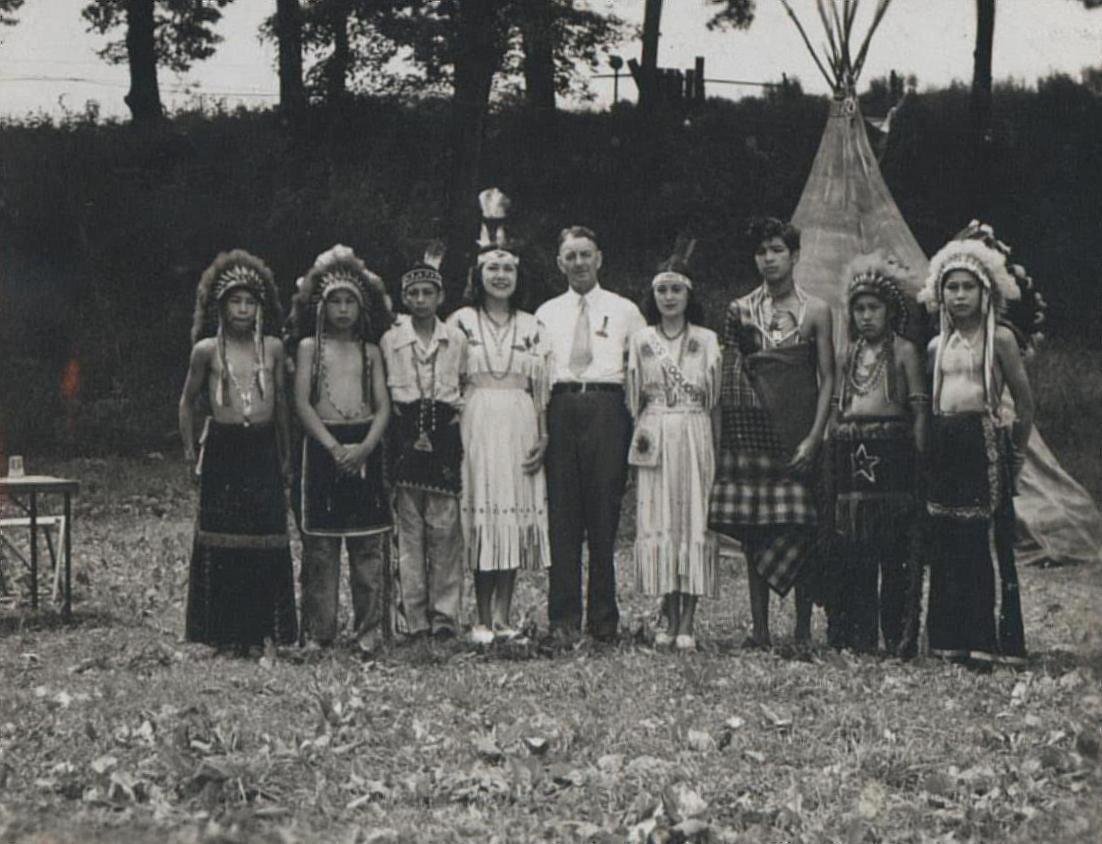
(508, 547)
(663, 565)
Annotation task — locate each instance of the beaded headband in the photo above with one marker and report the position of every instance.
(497, 254)
(340, 280)
(669, 277)
(236, 276)
(422, 273)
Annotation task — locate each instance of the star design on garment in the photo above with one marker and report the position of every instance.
(864, 464)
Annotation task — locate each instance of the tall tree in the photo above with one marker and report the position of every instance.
(288, 29)
(172, 33)
(648, 70)
(7, 10)
(480, 35)
(335, 16)
(983, 56)
(536, 21)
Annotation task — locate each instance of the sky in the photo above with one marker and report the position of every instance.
(48, 62)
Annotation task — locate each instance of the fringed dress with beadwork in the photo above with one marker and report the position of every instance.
(672, 387)
(503, 509)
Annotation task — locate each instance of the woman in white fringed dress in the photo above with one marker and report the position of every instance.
(672, 388)
(503, 505)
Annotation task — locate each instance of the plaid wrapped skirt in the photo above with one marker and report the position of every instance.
(756, 500)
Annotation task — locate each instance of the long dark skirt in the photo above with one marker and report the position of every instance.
(872, 468)
(971, 541)
(241, 586)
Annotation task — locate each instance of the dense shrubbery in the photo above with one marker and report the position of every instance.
(104, 229)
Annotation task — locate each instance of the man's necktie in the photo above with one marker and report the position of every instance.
(581, 352)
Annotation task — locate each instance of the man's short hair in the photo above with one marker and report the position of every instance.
(578, 231)
(767, 228)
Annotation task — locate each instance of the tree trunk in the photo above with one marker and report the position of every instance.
(336, 66)
(648, 76)
(477, 56)
(292, 92)
(144, 97)
(537, 20)
(981, 104)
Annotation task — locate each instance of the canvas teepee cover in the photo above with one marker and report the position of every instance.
(845, 210)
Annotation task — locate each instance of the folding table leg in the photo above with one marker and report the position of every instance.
(67, 533)
(34, 551)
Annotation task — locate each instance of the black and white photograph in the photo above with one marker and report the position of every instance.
(647, 421)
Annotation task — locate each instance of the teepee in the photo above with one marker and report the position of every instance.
(846, 209)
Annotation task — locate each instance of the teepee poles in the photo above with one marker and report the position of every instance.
(845, 67)
(807, 42)
(881, 10)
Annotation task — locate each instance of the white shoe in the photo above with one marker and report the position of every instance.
(662, 639)
(685, 642)
(506, 633)
(482, 635)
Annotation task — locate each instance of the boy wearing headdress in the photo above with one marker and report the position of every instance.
(880, 423)
(424, 361)
(982, 415)
(241, 583)
(342, 403)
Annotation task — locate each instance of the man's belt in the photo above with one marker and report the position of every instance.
(585, 387)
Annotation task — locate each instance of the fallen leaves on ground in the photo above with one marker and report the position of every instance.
(115, 730)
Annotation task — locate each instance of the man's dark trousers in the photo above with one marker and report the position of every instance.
(586, 466)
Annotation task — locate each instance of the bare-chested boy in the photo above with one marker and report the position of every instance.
(241, 585)
(881, 423)
(342, 403)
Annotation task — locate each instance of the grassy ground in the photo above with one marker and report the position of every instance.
(114, 729)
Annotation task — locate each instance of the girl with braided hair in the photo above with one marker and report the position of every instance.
(241, 584)
(341, 310)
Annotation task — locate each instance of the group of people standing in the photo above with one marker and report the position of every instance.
(501, 440)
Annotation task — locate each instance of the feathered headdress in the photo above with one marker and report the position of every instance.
(1008, 296)
(493, 240)
(236, 270)
(676, 267)
(881, 275)
(339, 269)
(1023, 314)
(987, 264)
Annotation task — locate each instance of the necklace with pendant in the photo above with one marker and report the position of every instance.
(243, 393)
(426, 411)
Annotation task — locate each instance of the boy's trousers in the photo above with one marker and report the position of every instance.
(430, 559)
(320, 577)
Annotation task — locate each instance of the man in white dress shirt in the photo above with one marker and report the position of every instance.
(590, 430)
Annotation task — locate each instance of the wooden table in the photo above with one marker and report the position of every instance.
(33, 486)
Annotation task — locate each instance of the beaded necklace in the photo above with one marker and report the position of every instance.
(426, 410)
(863, 379)
(498, 340)
(358, 412)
